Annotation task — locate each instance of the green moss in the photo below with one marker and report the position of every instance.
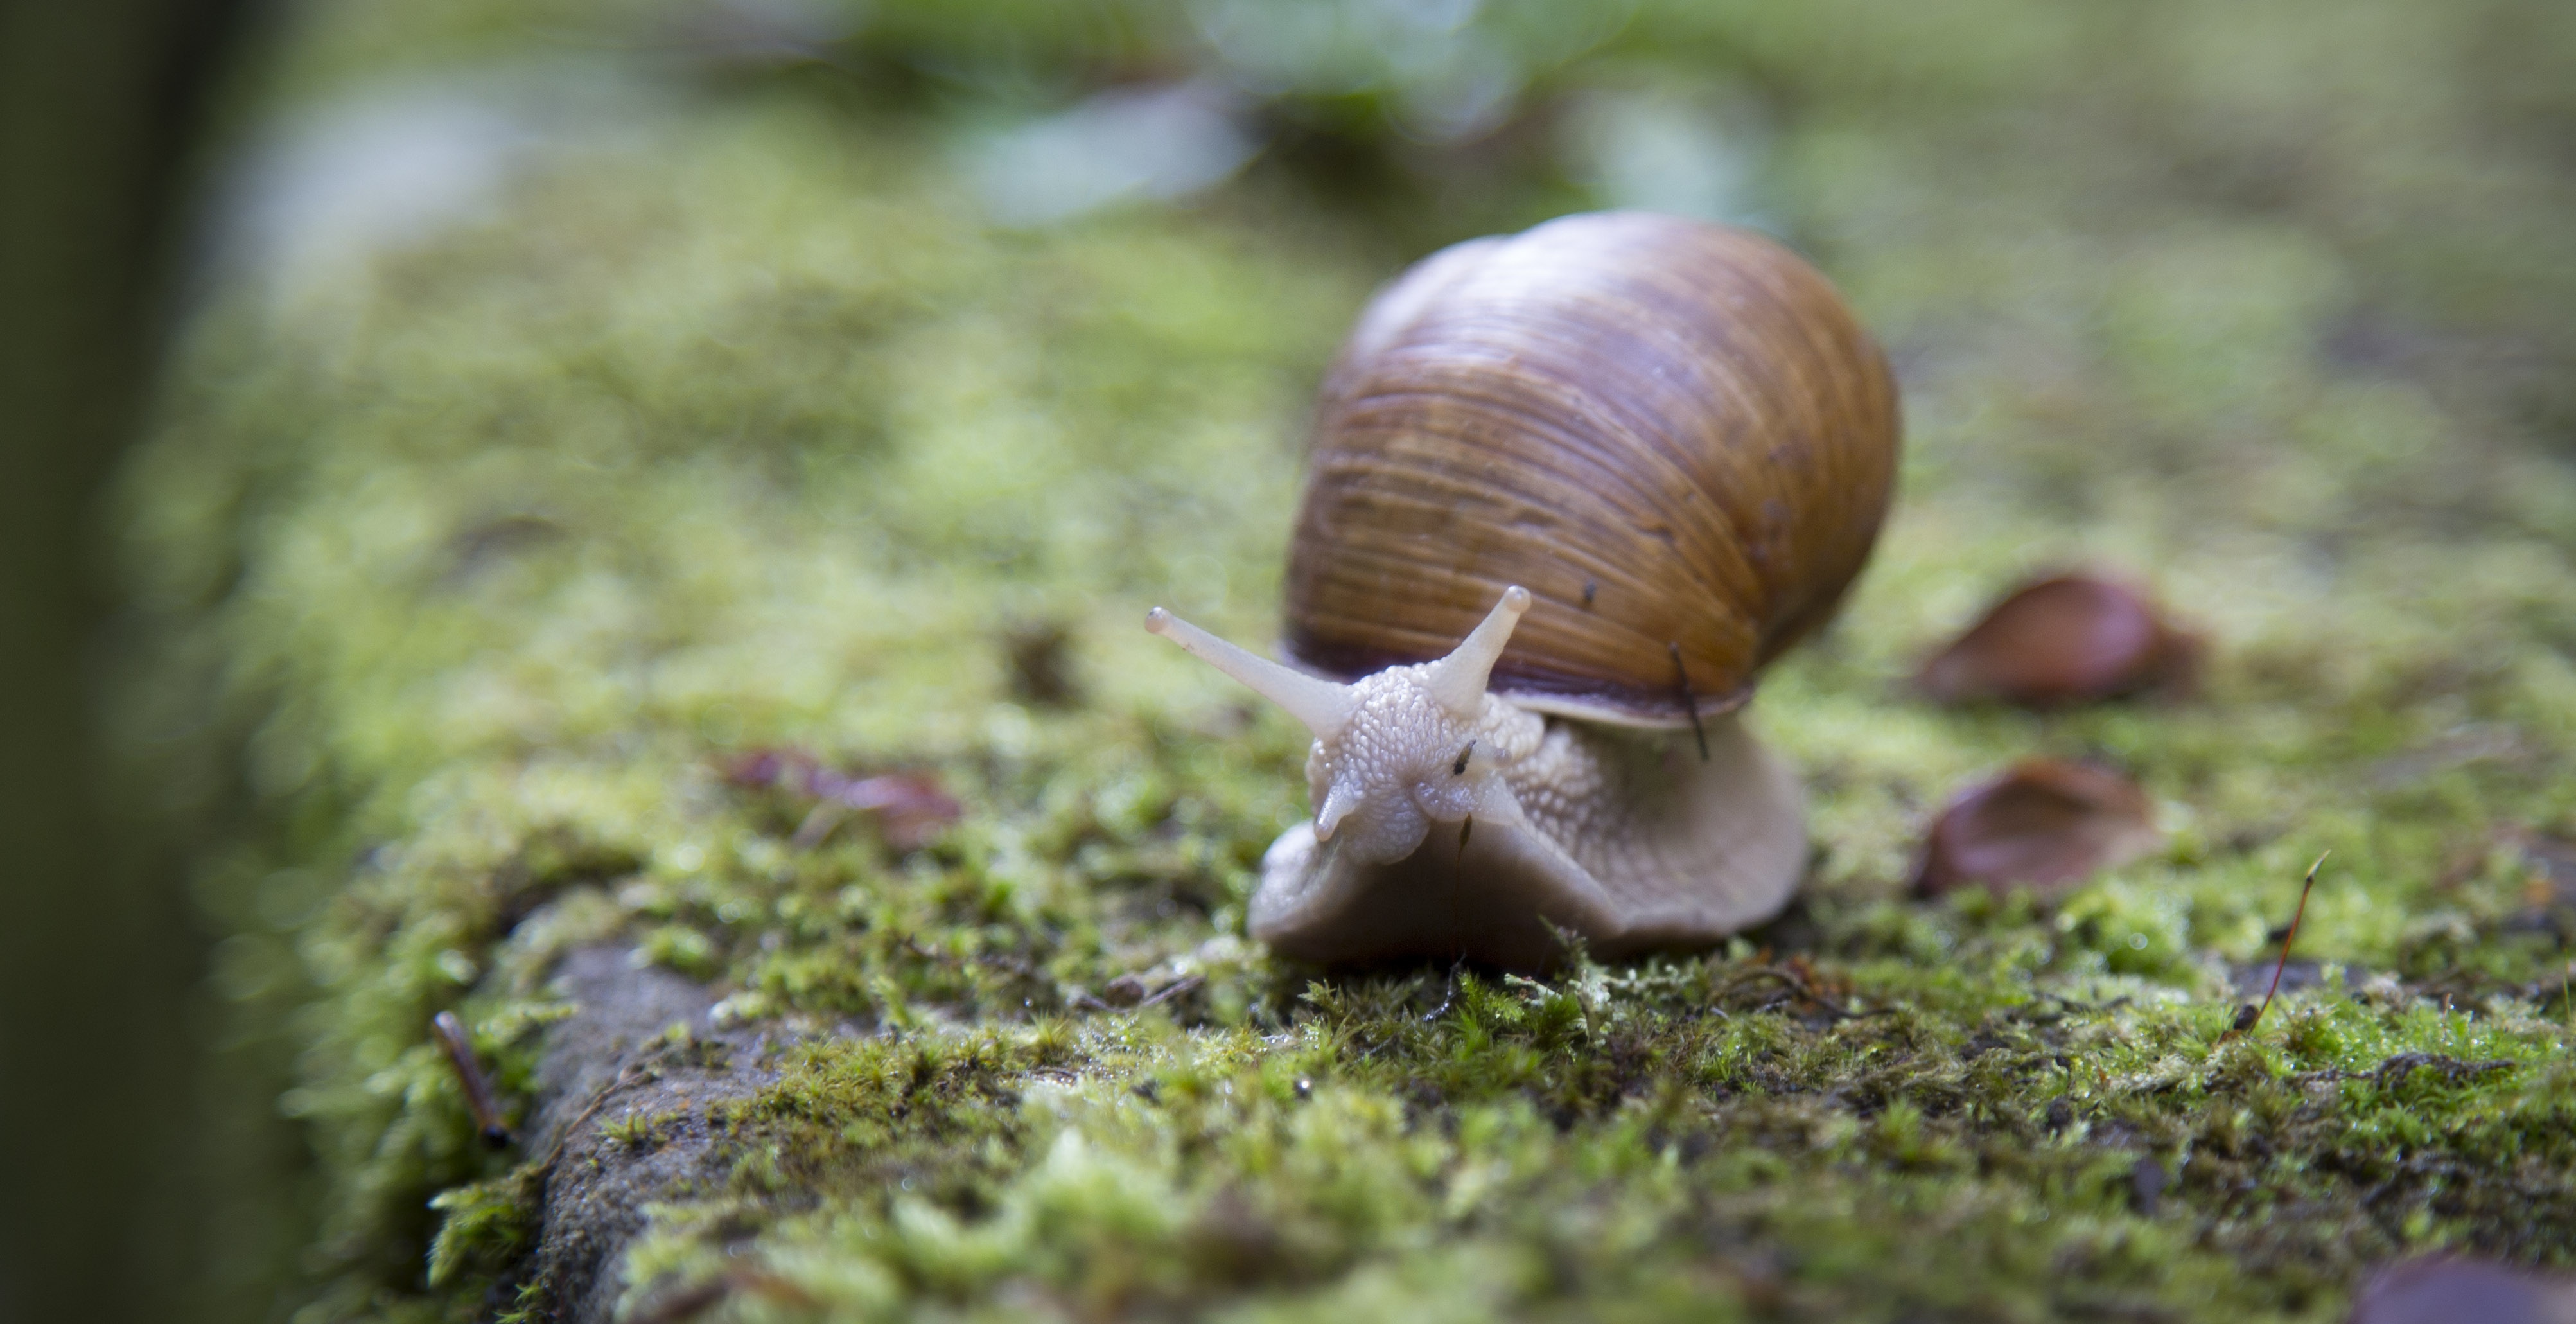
(484, 1227)
(482, 564)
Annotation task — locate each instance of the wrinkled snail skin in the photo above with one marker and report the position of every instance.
(1605, 856)
(1570, 490)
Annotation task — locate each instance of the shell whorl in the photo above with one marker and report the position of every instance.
(1674, 434)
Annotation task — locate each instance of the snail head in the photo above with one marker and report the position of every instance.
(1396, 751)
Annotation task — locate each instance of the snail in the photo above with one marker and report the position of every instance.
(1569, 491)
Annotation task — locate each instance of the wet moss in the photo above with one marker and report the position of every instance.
(492, 554)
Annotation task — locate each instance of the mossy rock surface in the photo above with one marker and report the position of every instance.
(502, 558)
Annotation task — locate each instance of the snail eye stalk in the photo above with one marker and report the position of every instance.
(1323, 706)
(1457, 682)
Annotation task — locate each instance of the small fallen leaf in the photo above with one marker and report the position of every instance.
(2063, 640)
(2044, 822)
(2442, 1289)
(760, 768)
(910, 808)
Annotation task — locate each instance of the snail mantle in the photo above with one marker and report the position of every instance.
(1669, 446)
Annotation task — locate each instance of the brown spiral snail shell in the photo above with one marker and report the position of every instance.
(1627, 459)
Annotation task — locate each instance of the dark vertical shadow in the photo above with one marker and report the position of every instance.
(102, 107)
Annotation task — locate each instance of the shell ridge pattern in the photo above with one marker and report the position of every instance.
(1669, 501)
(1607, 499)
(1670, 433)
(1536, 438)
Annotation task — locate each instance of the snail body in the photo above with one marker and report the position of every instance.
(1666, 444)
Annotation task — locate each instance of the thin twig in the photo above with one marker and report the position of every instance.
(1018, 967)
(469, 1073)
(2245, 1024)
(1800, 985)
(632, 1075)
(1172, 990)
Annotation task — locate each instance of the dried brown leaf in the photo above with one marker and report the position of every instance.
(2046, 823)
(2063, 640)
(909, 808)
